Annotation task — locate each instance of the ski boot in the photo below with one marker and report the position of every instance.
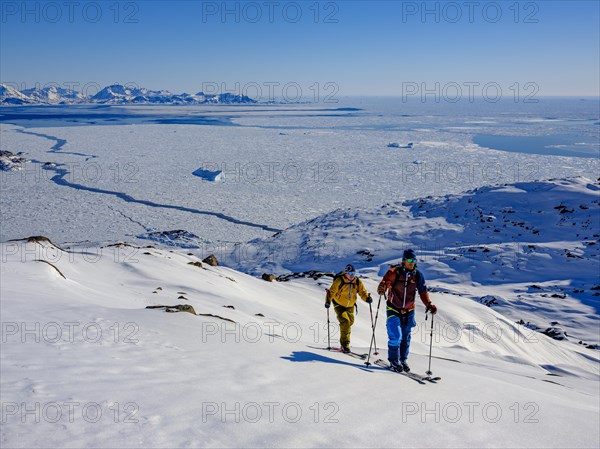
(396, 366)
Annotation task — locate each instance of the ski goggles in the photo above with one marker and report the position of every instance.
(410, 260)
(351, 273)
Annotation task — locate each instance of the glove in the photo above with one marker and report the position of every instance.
(327, 305)
(381, 289)
(369, 299)
(431, 308)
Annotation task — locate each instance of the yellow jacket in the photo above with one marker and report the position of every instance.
(344, 293)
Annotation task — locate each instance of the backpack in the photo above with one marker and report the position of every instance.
(340, 276)
(399, 267)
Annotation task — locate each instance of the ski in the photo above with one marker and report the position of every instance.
(356, 356)
(351, 354)
(414, 376)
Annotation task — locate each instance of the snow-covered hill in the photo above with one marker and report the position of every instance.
(532, 245)
(518, 215)
(248, 368)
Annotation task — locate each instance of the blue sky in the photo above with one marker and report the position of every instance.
(365, 48)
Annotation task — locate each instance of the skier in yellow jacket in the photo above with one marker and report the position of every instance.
(343, 294)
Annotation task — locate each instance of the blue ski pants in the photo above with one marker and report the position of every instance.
(399, 326)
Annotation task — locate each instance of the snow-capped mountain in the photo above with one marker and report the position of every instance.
(9, 95)
(113, 94)
(54, 95)
(222, 98)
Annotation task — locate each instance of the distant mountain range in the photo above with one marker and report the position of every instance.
(114, 94)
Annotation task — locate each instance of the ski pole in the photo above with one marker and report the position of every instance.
(328, 336)
(374, 326)
(430, 343)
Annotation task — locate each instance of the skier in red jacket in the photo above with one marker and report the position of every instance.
(401, 283)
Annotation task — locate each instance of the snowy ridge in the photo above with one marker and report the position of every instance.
(516, 214)
(252, 337)
(113, 94)
(53, 94)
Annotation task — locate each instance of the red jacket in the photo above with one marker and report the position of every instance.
(401, 287)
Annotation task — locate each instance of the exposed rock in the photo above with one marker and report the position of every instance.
(368, 254)
(269, 277)
(307, 274)
(10, 161)
(216, 316)
(196, 264)
(488, 300)
(121, 245)
(528, 325)
(178, 237)
(211, 260)
(556, 333)
(39, 239)
(174, 309)
(573, 256)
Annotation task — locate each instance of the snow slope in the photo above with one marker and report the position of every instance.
(104, 371)
(533, 245)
